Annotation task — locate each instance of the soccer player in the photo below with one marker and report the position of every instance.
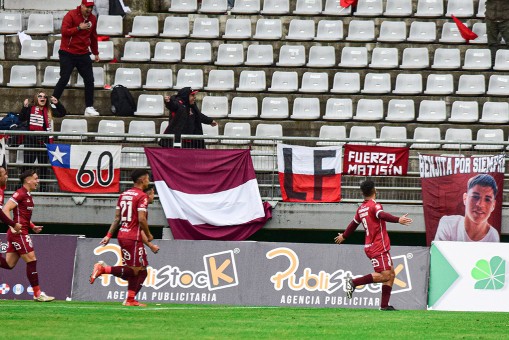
(150, 191)
(377, 243)
(19, 242)
(5, 219)
(131, 218)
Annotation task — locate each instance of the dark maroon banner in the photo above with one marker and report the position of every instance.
(365, 160)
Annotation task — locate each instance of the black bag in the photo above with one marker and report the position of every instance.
(122, 102)
(116, 8)
(10, 121)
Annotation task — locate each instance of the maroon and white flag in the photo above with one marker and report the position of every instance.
(365, 160)
(208, 194)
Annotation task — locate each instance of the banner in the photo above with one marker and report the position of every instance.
(208, 194)
(255, 274)
(309, 174)
(365, 160)
(86, 168)
(462, 197)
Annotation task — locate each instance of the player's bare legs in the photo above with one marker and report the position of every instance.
(10, 260)
(134, 285)
(386, 277)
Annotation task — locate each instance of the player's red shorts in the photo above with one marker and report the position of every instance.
(18, 243)
(133, 253)
(382, 262)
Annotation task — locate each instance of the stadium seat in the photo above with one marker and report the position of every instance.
(198, 53)
(346, 82)
(98, 78)
(206, 28)
(390, 134)
(39, 23)
(423, 135)
(432, 111)
(150, 105)
(159, 79)
(34, 50)
(369, 109)
(246, 7)
(10, 23)
(213, 6)
(133, 157)
(1, 75)
(274, 108)
(56, 47)
(490, 135)
(136, 51)
(447, 59)
(268, 29)
(306, 109)
(415, 58)
(400, 110)
(477, 59)
(369, 8)
(106, 51)
(215, 107)
(230, 55)
(471, 84)
(384, 58)
(464, 112)
(362, 135)
(429, 8)
(460, 136)
(377, 83)
(252, 81)
(239, 29)
(73, 126)
(23, 76)
(275, 7)
(408, 83)
(109, 25)
(189, 78)
(128, 77)
(313, 82)
(361, 30)
(141, 128)
(451, 34)
(322, 56)
(338, 109)
(236, 130)
(460, 8)
(260, 55)
(292, 56)
(392, 31)
(221, 80)
(145, 26)
(501, 60)
(308, 7)
(175, 27)
(209, 131)
(498, 85)
(479, 28)
(354, 57)
(164, 125)
(167, 52)
(439, 84)
(495, 113)
(283, 81)
(301, 30)
(112, 127)
(398, 8)
(331, 132)
(329, 30)
(268, 130)
(244, 107)
(423, 31)
(333, 8)
(183, 6)
(51, 76)
(481, 9)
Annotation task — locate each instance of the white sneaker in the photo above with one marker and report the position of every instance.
(43, 298)
(90, 111)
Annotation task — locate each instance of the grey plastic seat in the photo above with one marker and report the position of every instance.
(34, 50)
(338, 109)
(384, 58)
(392, 31)
(106, 50)
(498, 85)
(136, 51)
(230, 55)
(238, 29)
(300, 29)
(390, 134)
(141, 128)
(40, 23)
(362, 135)
(268, 130)
(23, 76)
(113, 127)
(333, 8)
(284, 81)
(369, 8)
(259, 55)
(209, 131)
(439, 84)
(175, 27)
(481, 9)
(128, 77)
(471, 84)
(451, 34)
(423, 31)
(213, 6)
(447, 59)
(354, 57)
(198, 53)
(51, 76)
(10, 23)
(331, 132)
(477, 59)
(361, 30)
(274, 108)
(56, 47)
(329, 30)
(183, 6)
(133, 157)
(429, 8)
(189, 78)
(244, 107)
(306, 109)
(275, 7)
(1, 75)
(501, 60)
(377, 83)
(73, 126)
(206, 28)
(495, 113)
(322, 56)
(432, 111)
(464, 112)
(400, 110)
(109, 25)
(314, 82)
(408, 84)
(215, 107)
(308, 7)
(461, 136)
(479, 28)
(268, 29)
(246, 7)
(236, 130)
(398, 8)
(490, 135)
(369, 110)
(292, 56)
(415, 58)
(425, 135)
(150, 105)
(98, 78)
(346, 82)
(159, 79)
(221, 80)
(145, 26)
(252, 81)
(167, 52)
(460, 8)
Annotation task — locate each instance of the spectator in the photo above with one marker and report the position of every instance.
(185, 119)
(79, 36)
(497, 23)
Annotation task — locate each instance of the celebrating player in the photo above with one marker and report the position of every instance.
(377, 243)
(131, 217)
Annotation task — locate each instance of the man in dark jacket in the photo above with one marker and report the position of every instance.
(185, 119)
(497, 23)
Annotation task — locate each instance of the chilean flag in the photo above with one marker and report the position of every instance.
(208, 194)
(86, 168)
(309, 174)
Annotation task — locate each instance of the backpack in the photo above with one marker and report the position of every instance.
(122, 102)
(10, 121)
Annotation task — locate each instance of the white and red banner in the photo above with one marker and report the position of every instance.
(366, 160)
(309, 174)
(208, 194)
(86, 168)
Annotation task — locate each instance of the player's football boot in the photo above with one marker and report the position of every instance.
(133, 303)
(97, 271)
(350, 288)
(43, 298)
(388, 308)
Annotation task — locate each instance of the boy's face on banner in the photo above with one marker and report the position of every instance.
(479, 203)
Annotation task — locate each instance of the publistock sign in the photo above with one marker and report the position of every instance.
(256, 274)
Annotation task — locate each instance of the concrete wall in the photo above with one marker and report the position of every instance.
(46, 5)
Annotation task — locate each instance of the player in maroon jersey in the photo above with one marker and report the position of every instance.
(377, 243)
(19, 242)
(130, 220)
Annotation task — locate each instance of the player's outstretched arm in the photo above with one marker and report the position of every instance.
(113, 228)
(142, 219)
(8, 207)
(404, 220)
(348, 231)
(154, 248)
(339, 239)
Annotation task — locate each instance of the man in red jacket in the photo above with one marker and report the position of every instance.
(79, 37)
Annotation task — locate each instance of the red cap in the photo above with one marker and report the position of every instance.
(88, 3)
(194, 91)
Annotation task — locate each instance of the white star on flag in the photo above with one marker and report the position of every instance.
(57, 155)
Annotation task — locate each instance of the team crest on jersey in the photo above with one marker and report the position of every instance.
(4, 288)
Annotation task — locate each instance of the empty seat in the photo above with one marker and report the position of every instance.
(464, 112)
(361, 30)
(389, 135)
(422, 137)
(429, 8)
(141, 128)
(175, 27)
(23, 76)
(215, 107)
(308, 7)
(502, 60)
(322, 56)
(313, 82)
(268, 130)
(329, 30)
(462, 137)
(221, 80)
(439, 84)
(259, 55)
(56, 48)
(392, 31)
(492, 136)
(408, 83)
(159, 79)
(167, 52)
(338, 109)
(369, 8)
(423, 31)
(477, 59)
(40, 23)
(377, 83)
(268, 29)
(98, 78)
(292, 56)
(1, 74)
(230, 55)
(479, 28)
(383, 57)
(109, 25)
(346, 82)
(51, 76)
(106, 50)
(354, 57)
(10, 23)
(275, 7)
(150, 105)
(331, 132)
(306, 109)
(128, 77)
(244, 107)
(252, 81)
(110, 127)
(460, 8)
(189, 78)
(415, 58)
(206, 28)
(137, 51)
(333, 8)
(198, 53)
(481, 9)
(495, 113)
(274, 108)
(471, 84)
(369, 109)
(213, 6)
(361, 135)
(398, 8)
(246, 7)
(432, 111)
(209, 131)
(73, 126)
(183, 6)
(283, 81)
(34, 50)
(301, 30)
(498, 85)
(236, 130)
(133, 157)
(145, 26)
(400, 110)
(446, 59)
(451, 34)
(237, 29)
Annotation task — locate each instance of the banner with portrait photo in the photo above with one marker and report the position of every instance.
(462, 197)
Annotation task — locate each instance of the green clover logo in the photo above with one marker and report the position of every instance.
(489, 275)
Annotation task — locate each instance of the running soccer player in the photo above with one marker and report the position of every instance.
(131, 218)
(4, 218)
(19, 242)
(377, 243)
